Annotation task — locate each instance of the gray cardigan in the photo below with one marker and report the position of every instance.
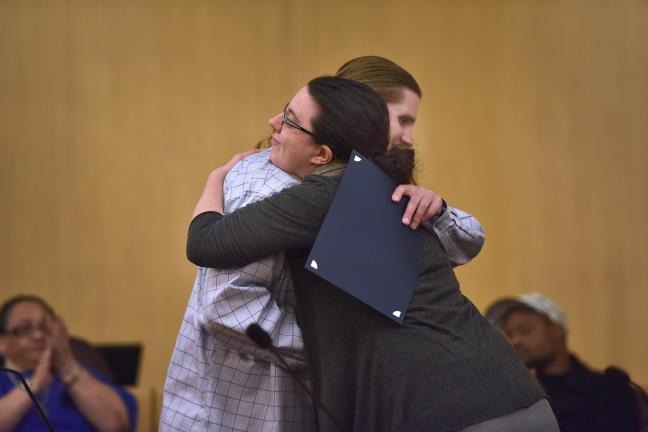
(443, 369)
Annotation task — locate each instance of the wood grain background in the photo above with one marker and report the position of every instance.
(534, 118)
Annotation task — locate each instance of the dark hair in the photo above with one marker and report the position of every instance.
(398, 162)
(8, 306)
(351, 115)
(384, 76)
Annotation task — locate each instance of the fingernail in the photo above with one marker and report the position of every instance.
(405, 220)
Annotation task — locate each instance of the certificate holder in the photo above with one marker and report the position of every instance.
(363, 248)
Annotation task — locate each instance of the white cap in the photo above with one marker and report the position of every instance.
(498, 311)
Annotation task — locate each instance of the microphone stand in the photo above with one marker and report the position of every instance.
(263, 340)
(39, 408)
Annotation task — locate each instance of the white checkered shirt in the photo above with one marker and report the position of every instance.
(218, 380)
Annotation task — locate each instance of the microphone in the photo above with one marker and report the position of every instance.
(263, 340)
(260, 337)
(39, 408)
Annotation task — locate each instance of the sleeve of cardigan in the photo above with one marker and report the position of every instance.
(287, 220)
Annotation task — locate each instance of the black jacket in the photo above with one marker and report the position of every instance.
(588, 401)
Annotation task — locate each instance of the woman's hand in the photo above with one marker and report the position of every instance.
(42, 376)
(15, 404)
(59, 338)
(423, 205)
(237, 158)
(212, 196)
(217, 176)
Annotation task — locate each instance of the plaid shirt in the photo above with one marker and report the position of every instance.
(218, 380)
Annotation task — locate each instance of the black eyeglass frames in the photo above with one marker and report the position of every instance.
(294, 124)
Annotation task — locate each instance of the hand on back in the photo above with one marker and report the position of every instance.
(423, 205)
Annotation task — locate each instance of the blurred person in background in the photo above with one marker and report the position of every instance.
(583, 400)
(34, 341)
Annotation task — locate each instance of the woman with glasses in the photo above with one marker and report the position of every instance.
(34, 342)
(445, 368)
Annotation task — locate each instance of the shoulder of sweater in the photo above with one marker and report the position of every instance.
(321, 180)
(322, 185)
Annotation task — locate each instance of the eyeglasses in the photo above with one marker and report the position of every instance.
(28, 329)
(294, 124)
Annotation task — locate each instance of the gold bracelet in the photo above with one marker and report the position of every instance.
(75, 376)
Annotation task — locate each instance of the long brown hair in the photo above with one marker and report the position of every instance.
(383, 76)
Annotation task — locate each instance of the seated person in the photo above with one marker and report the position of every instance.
(35, 342)
(582, 399)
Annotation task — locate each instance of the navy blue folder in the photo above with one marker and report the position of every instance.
(363, 247)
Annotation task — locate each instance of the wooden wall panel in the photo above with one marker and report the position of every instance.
(533, 118)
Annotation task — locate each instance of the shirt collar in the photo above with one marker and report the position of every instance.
(333, 168)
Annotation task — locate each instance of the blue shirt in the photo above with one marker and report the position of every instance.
(60, 408)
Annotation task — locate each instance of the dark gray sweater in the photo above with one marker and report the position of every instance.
(443, 369)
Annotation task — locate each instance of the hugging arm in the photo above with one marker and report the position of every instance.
(286, 220)
(460, 233)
